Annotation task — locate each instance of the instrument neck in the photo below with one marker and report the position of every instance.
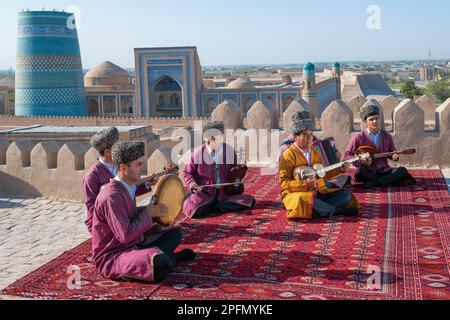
(385, 155)
(163, 173)
(340, 164)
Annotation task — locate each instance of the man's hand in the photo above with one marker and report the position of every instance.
(395, 157)
(157, 211)
(168, 228)
(152, 179)
(366, 162)
(196, 189)
(345, 167)
(312, 183)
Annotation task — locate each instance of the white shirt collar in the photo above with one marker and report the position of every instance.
(376, 135)
(131, 189)
(306, 154)
(218, 152)
(108, 166)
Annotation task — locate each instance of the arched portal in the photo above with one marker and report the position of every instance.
(2, 104)
(210, 105)
(247, 104)
(167, 94)
(93, 109)
(126, 106)
(287, 102)
(109, 106)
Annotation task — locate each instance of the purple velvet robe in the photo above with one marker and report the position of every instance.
(118, 227)
(200, 170)
(385, 144)
(96, 177)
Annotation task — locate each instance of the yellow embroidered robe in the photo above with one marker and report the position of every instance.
(297, 197)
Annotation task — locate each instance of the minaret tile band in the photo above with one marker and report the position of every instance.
(49, 73)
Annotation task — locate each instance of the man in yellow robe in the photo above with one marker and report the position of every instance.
(314, 197)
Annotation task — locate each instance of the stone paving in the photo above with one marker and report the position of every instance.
(35, 231)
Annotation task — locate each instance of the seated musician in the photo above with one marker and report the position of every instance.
(103, 171)
(291, 139)
(212, 164)
(339, 182)
(376, 173)
(126, 243)
(313, 197)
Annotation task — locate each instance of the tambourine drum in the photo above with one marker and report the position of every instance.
(169, 191)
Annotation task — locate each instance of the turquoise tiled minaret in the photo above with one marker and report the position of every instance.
(49, 73)
(337, 75)
(309, 91)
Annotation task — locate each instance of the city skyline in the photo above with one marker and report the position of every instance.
(250, 33)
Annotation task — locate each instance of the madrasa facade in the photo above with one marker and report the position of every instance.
(169, 83)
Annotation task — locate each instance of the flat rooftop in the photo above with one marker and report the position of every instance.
(67, 130)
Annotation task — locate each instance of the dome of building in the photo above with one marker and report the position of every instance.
(241, 83)
(106, 74)
(309, 67)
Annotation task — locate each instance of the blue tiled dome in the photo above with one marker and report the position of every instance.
(336, 65)
(309, 67)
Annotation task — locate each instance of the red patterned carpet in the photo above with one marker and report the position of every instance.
(403, 232)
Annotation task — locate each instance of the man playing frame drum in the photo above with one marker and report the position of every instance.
(314, 197)
(126, 242)
(103, 171)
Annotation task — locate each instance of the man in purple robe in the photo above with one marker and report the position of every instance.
(103, 171)
(376, 173)
(126, 243)
(211, 164)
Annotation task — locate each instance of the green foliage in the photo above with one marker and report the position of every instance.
(440, 89)
(409, 89)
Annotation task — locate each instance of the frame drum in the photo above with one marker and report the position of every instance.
(169, 191)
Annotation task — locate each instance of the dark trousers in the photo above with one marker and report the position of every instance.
(219, 207)
(168, 243)
(325, 205)
(393, 176)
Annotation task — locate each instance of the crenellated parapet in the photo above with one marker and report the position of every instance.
(408, 131)
(54, 170)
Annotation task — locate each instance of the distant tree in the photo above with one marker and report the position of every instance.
(409, 89)
(440, 89)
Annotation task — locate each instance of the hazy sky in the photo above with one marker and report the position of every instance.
(247, 31)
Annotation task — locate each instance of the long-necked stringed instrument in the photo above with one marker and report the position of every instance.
(157, 176)
(237, 174)
(375, 156)
(319, 170)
